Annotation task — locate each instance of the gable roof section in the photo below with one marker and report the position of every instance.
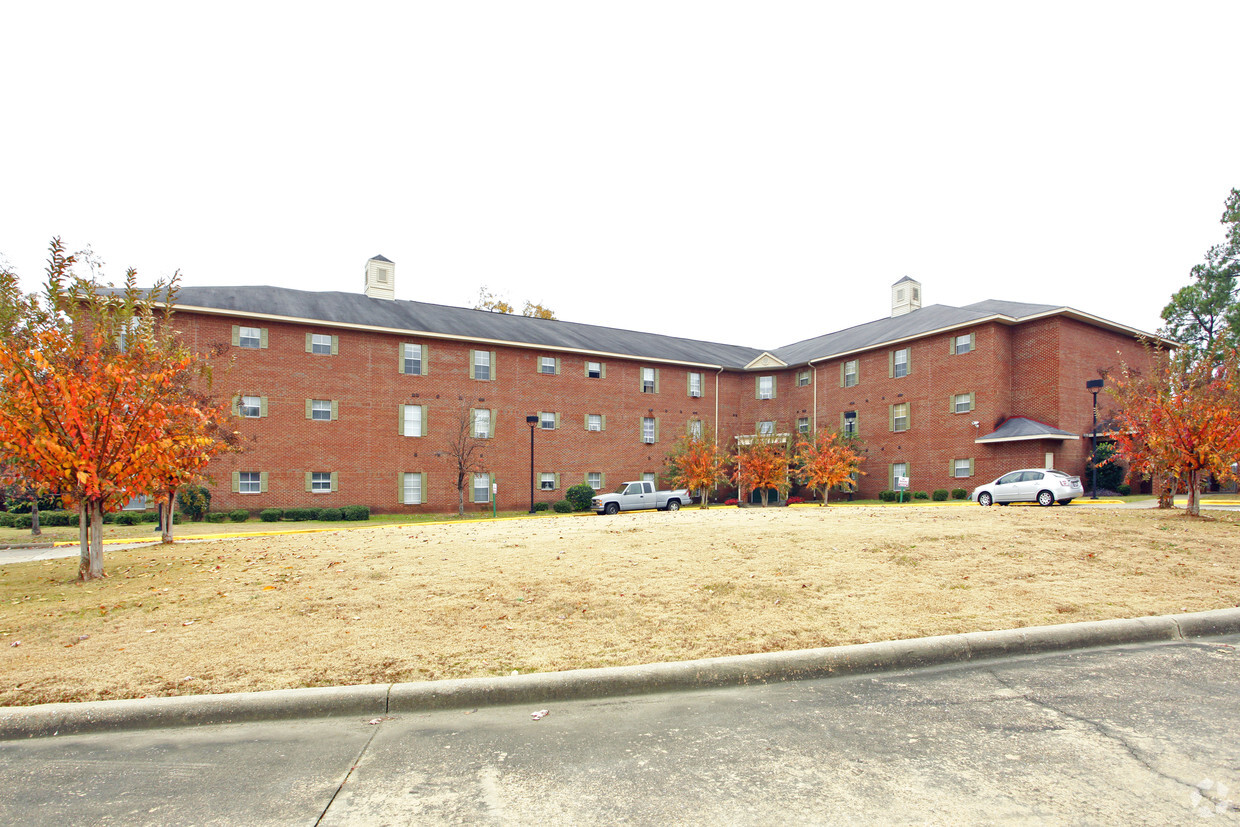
(1020, 429)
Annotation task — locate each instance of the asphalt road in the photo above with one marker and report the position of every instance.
(1137, 734)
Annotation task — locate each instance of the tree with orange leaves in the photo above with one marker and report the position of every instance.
(760, 464)
(90, 402)
(1181, 418)
(696, 462)
(824, 459)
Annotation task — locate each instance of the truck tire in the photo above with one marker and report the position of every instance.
(611, 508)
(673, 505)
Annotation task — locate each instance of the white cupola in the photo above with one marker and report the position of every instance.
(380, 278)
(905, 296)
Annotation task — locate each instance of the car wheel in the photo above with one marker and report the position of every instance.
(611, 508)
(1065, 502)
(1046, 498)
(673, 505)
(984, 498)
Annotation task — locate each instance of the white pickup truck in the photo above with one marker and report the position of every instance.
(631, 496)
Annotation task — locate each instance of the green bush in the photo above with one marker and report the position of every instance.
(270, 515)
(920, 495)
(564, 507)
(580, 495)
(216, 517)
(21, 521)
(7, 519)
(57, 518)
(887, 496)
(355, 512)
(150, 516)
(939, 495)
(1123, 489)
(109, 517)
(128, 518)
(1110, 474)
(541, 506)
(330, 515)
(194, 501)
(239, 515)
(298, 515)
(959, 494)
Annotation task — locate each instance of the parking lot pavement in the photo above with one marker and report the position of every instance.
(1136, 734)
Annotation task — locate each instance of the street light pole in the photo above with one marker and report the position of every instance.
(531, 421)
(1094, 385)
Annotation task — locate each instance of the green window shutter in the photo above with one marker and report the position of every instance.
(656, 429)
(262, 336)
(602, 481)
(774, 386)
(425, 428)
(309, 407)
(557, 481)
(400, 358)
(951, 468)
(656, 387)
(891, 364)
(262, 482)
(309, 343)
(757, 387)
(586, 421)
(494, 420)
(951, 403)
(908, 416)
(602, 424)
(842, 364)
(400, 420)
(426, 367)
(972, 401)
(473, 421)
(308, 486)
(908, 364)
(335, 345)
(891, 418)
(493, 366)
(972, 342)
(557, 366)
(262, 406)
(236, 335)
(236, 406)
(469, 368)
(335, 481)
(236, 482)
(891, 476)
(335, 410)
(970, 466)
(557, 421)
(841, 422)
(422, 479)
(400, 487)
(602, 370)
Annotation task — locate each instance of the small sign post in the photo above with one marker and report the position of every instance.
(494, 492)
(901, 485)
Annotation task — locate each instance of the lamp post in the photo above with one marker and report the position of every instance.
(1094, 385)
(531, 421)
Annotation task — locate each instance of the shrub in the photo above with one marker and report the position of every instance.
(150, 516)
(355, 512)
(57, 518)
(216, 517)
(732, 501)
(1123, 489)
(21, 521)
(270, 515)
(7, 519)
(194, 501)
(298, 515)
(887, 496)
(920, 495)
(564, 507)
(109, 517)
(580, 495)
(795, 500)
(239, 515)
(959, 494)
(939, 495)
(330, 515)
(128, 518)
(541, 506)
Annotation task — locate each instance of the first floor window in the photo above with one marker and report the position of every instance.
(594, 479)
(250, 337)
(648, 476)
(850, 423)
(766, 428)
(251, 407)
(250, 482)
(482, 488)
(647, 429)
(482, 423)
(695, 384)
(546, 481)
(320, 482)
(695, 428)
(594, 422)
(412, 489)
(321, 409)
(412, 420)
(962, 403)
(962, 468)
(899, 416)
(803, 424)
(898, 469)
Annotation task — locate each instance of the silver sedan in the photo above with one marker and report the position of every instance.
(1043, 486)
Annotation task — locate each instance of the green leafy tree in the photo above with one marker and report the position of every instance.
(1204, 315)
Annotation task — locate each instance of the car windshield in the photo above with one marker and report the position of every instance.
(624, 486)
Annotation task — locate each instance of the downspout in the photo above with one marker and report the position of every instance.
(717, 373)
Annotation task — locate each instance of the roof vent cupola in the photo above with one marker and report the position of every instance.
(380, 278)
(905, 296)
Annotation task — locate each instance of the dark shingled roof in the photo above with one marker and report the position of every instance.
(1021, 428)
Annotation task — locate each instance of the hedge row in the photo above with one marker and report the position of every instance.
(348, 512)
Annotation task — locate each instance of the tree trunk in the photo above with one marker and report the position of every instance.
(702, 493)
(35, 531)
(762, 494)
(1194, 493)
(91, 565)
(166, 519)
(825, 490)
(460, 498)
(83, 538)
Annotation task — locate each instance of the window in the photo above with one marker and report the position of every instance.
(249, 482)
(482, 423)
(594, 370)
(594, 422)
(413, 359)
(549, 365)
(899, 416)
(766, 427)
(648, 429)
(129, 332)
(481, 360)
(252, 337)
(848, 423)
(695, 383)
(898, 469)
(594, 479)
(482, 488)
(412, 420)
(321, 344)
(648, 476)
(251, 407)
(547, 481)
(962, 344)
(962, 403)
(766, 387)
(849, 373)
(321, 482)
(962, 468)
(803, 424)
(411, 489)
(650, 380)
(803, 378)
(695, 428)
(548, 421)
(321, 410)
(899, 363)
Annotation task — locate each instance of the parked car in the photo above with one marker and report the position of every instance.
(1044, 486)
(638, 494)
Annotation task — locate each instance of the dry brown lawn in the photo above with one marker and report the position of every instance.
(393, 604)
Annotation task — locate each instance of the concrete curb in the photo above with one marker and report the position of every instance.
(383, 699)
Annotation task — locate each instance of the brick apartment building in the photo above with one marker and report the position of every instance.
(353, 398)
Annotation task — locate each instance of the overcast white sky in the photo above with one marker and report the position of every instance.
(754, 173)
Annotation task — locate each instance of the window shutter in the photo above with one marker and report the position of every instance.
(335, 345)
(425, 428)
(656, 388)
(891, 418)
(951, 403)
(469, 367)
(602, 422)
(335, 410)
(236, 406)
(757, 387)
(908, 416)
(262, 406)
(400, 420)
(908, 363)
(972, 401)
(842, 364)
(972, 342)
(236, 482)
(400, 357)
(557, 481)
(656, 429)
(557, 421)
(493, 366)
(891, 476)
(557, 366)
(308, 486)
(970, 466)
(602, 481)
(774, 386)
(891, 364)
(309, 343)
(236, 335)
(586, 421)
(602, 370)
(473, 422)
(494, 420)
(422, 481)
(400, 487)
(262, 338)
(309, 409)
(426, 359)
(262, 482)
(951, 344)
(335, 481)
